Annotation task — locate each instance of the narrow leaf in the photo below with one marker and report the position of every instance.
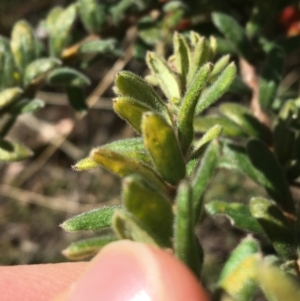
(245, 120)
(66, 76)
(38, 69)
(52, 17)
(131, 111)
(182, 55)
(8, 72)
(278, 285)
(26, 105)
(202, 177)
(92, 220)
(124, 166)
(217, 89)
(200, 55)
(87, 247)
(239, 275)
(186, 245)
(85, 164)
(188, 105)
(167, 79)
(275, 181)
(60, 34)
(100, 46)
(234, 33)
(9, 95)
(11, 151)
(219, 66)
(204, 123)
(127, 227)
(271, 76)
(238, 214)
(154, 211)
(132, 147)
(275, 225)
(162, 144)
(131, 85)
(23, 44)
(211, 134)
(92, 15)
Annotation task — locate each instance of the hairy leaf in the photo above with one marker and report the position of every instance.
(186, 245)
(127, 227)
(188, 105)
(238, 214)
(85, 248)
(154, 211)
(163, 147)
(217, 89)
(92, 220)
(278, 229)
(168, 80)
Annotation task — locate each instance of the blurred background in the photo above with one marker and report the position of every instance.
(38, 194)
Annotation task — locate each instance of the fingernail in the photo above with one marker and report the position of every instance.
(119, 272)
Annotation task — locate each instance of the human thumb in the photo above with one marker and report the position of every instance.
(131, 271)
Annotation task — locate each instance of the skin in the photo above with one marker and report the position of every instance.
(122, 271)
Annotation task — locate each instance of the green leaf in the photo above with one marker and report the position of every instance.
(238, 214)
(132, 147)
(60, 33)
(211, 134)
(200, 55)
(77, 98)
(154, 211)
(163, 147)
(274, 179)
(39, 68)
(217, 89)
(87, 247)
(11, 151)
(9, 96)
(204, 123)
(234, 33)
(131, 85)
(168, 80)
(239, 275)
(245, 120)
(26, 105)
(123, 166)
(271, 76)
(276, 226)
(92, 220)
(127, 227)
(278, 285)
(23, 44)
(53, 15)
(202, 177)
(92, 15)
(100, 46)
(188, 105)
(130, 110)
(219, 66)
(85, 164)
(284, 139)
(182, 56)
(235, 157)
(66, 76)
(8, 72)
(186, 245)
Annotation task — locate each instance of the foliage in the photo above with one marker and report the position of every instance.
(166, 170)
